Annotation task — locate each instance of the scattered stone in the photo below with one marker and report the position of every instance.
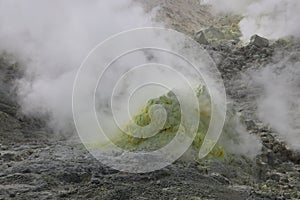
(220, 178)
(201, 38)
(275, 176)
(10, 156)
(258, 41)
(74, 177)
(264, 187)
(213, 33)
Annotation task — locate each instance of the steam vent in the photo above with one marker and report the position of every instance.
(171, 127)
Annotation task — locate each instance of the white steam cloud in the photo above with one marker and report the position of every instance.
(51, 39)
(279, 103)
(268, 18)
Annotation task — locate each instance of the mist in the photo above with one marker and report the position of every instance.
(50, 39)
(268, 18)
(277, 84)
(278, 102)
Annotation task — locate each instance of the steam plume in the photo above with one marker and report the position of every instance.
(269, 18)
(51, 38)
(279, 101)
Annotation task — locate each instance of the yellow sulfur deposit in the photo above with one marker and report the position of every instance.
(171, 126)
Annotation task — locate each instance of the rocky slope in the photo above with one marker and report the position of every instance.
(37, 164)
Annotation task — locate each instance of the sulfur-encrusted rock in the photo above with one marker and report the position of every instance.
(211, 35)
(214, 33)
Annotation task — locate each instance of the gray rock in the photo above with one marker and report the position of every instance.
(214, 33)
(275, 176)
(201, 38)
(209, 35)
(10, 156)
(7, 122)
(220, 178)
(258, 41)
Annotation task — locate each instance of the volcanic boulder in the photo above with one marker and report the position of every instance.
(258, 41)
